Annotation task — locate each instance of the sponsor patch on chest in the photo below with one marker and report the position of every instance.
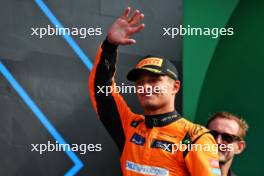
(145, 169)
(164, 145)
(137, 139)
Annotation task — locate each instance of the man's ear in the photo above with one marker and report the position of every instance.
(176, 86)
(241, 145)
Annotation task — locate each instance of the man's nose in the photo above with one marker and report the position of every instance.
(219, 139)
(147, 85)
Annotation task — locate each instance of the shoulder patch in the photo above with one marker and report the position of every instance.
(195, 130)
(193, 133)
(186, 141)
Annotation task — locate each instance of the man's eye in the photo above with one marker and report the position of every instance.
(139, 83)
(155, 80)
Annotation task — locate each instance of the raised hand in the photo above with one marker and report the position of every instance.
(124, 27)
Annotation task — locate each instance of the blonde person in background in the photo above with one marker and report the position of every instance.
(229, 130)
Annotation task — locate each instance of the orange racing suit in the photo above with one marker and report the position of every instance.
(149, 145)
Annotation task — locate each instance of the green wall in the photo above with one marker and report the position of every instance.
(227, 74)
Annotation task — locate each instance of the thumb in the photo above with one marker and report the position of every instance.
(128, 41)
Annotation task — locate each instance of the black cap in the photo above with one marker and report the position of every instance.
(154, 65)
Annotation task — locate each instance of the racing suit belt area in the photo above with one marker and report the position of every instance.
(147, 144)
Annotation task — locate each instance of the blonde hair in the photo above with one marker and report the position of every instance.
(243, 126)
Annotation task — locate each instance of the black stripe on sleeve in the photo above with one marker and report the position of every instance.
(106, 105)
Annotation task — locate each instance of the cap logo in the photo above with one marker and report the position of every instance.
(150, 61)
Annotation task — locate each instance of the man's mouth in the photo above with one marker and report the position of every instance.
(146, 94)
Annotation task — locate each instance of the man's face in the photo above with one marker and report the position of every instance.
(225, 130)
(155, 91)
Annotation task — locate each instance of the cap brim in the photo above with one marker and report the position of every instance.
(135, 73)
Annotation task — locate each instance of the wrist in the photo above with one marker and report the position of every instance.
(109, 46)
(110, 41)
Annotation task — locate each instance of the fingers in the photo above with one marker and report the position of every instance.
(128, 41)
(126, 12)
(135, 14)
(136, 19)
(132, 26)
(137, 28)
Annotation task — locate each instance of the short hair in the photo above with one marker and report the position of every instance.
(243, 126)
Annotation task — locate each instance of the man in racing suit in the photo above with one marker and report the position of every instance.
(149, 144)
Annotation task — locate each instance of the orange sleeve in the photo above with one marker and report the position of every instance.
(203, 159)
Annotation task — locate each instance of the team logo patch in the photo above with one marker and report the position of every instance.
(137, 139)
(135, 123)
(145, 169)
(164, 145)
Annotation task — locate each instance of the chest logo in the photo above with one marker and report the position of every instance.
(137, 139)
(164, 145)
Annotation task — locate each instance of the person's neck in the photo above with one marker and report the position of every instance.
(225, 167)
(162, 110)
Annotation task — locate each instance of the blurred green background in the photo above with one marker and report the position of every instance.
(227, 73)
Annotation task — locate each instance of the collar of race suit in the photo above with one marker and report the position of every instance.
(159, 120)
